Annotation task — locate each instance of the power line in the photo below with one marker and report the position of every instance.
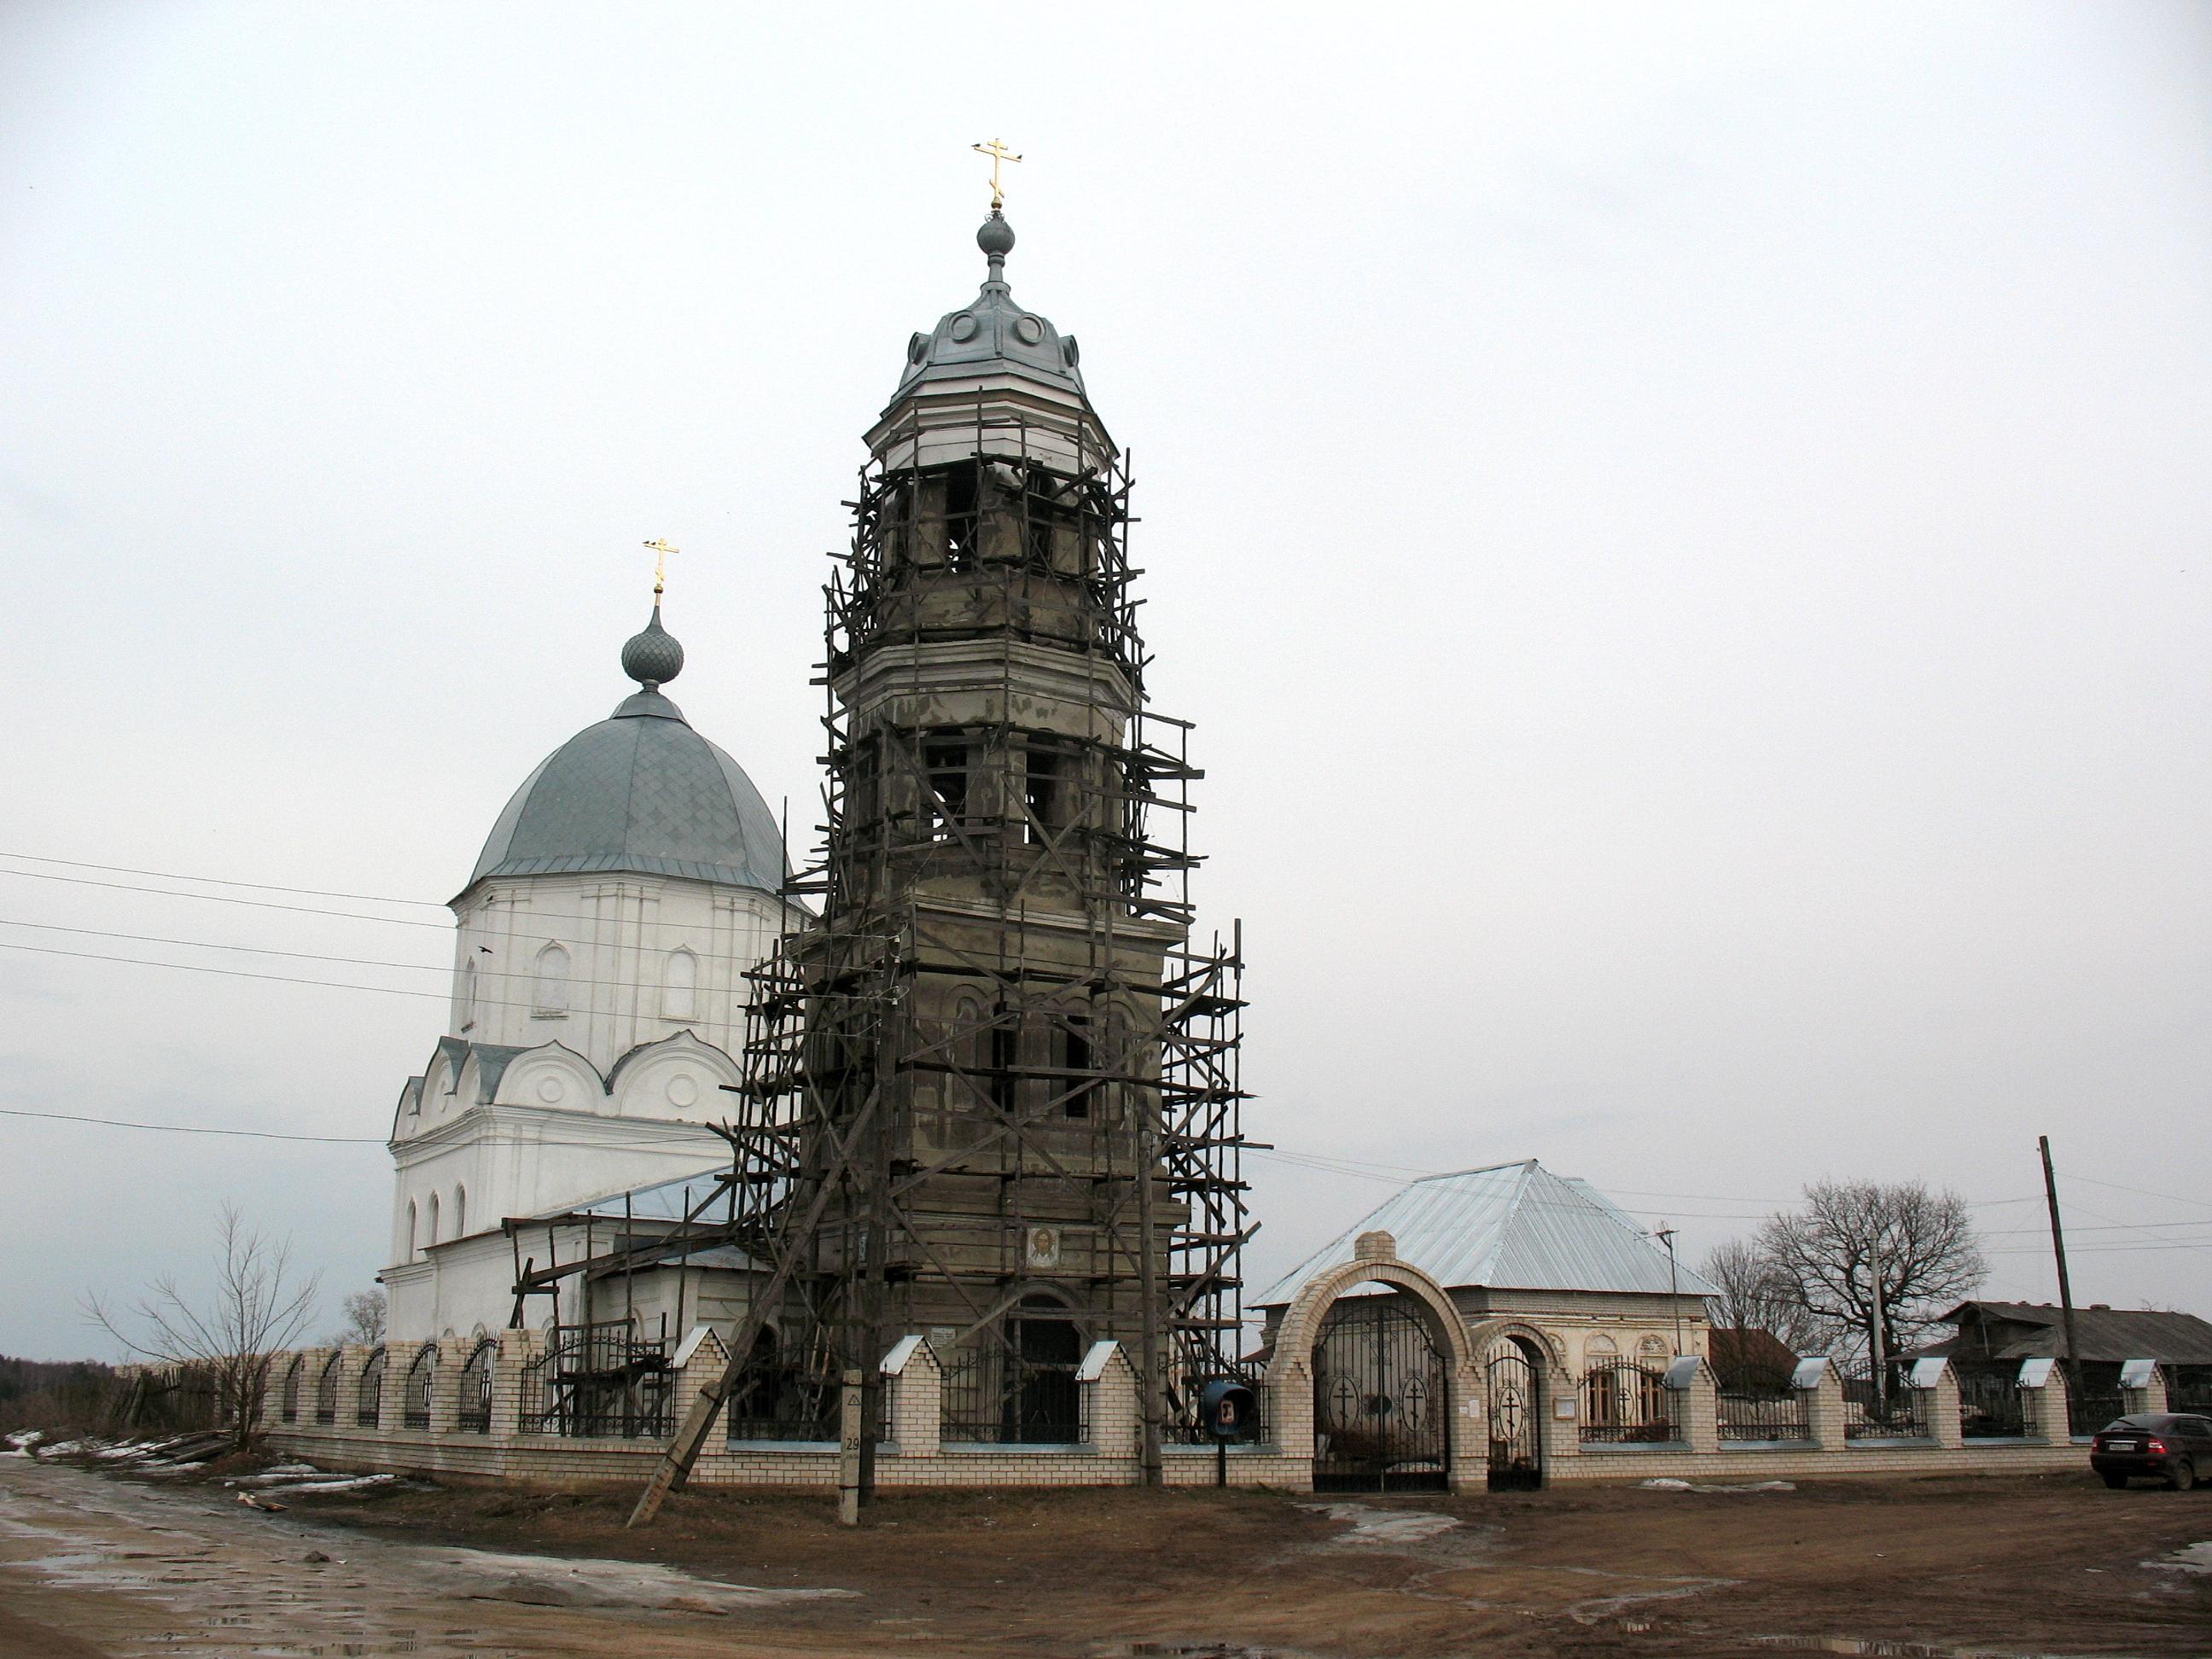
(223, 881)
(191, 1128)
(235, 973)
(226, 898)
(213, 944)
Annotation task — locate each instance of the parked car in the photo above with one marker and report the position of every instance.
(2171, 1446)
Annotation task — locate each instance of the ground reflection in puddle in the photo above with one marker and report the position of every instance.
(1899, 1650)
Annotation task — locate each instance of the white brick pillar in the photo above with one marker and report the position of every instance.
(1110, 1413)
(1697, 1403)
(916, 1381)
(516, 1349)
(1287, 1401)
(701, 1359)
(1470, 1427)
(2147, 1395)
(351, 1358)
(1939, 1403)
(2042, 1401)
(1823, 1393)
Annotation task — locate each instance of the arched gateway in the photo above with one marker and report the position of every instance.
(1382, 1355)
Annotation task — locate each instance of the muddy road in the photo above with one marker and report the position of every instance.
(93, 1565)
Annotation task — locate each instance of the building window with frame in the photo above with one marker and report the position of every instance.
(548, 995)
(679, 986)
(1043, 791)
(945, 758)
(1078, 1056)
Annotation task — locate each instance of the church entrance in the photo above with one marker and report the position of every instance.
(1515, 1443)
(1382, 1401)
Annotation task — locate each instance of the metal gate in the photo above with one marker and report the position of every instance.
(1516, 1461)
(1380, 1402)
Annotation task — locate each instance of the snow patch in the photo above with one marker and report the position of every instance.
(1668, 1483)
(1384, 1527)
(2194, 1558)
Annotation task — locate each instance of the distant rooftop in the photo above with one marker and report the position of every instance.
(1510, 1226)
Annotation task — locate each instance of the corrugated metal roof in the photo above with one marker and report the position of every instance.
(2023, 1330)
(1512, 1226)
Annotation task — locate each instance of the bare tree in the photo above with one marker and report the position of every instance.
(1874, 1265)
(257, 1309)
(364, 1312)
(1756, 1297)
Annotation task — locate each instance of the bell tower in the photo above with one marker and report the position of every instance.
(993, 1093)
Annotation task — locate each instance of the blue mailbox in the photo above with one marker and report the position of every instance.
(1229, 1411)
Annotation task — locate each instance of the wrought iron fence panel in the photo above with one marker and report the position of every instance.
(291, 1401)
(2088, 1412)
(1869, 1416)
(1626, 1403)
(474, 1417)
(994, 1397)
(421, 1382)
(1990, 1404)
(326, 1390)
(599, 1380)
(369, 1408)
(2188, 1389)
(1764, 1414)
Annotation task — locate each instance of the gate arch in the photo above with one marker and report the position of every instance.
(1403, 1405)
(1521, 1367)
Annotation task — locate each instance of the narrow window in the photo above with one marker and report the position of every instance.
(960, 535)
(468, 994)
(1006, 1048)
(1076, 1056)
(1042, 790)
(968, 1053)
(431, 1237)
(550, 995)
(679, 986)
(414, 1235)
(460, 1213)
(945, 760)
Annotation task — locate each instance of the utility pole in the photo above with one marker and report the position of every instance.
(1666, 1236)
(1878, 1337)
(2065, 1289)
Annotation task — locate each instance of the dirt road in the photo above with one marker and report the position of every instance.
(95, 1567)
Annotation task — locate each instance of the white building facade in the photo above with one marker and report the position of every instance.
(601, 952)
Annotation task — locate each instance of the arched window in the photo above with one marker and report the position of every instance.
(476, 1389)
(679, 986)
(371, 1406)
(421, 1380)
(468, 994)
(460, 1211)
(549, 982)
(292, 1375)
(430, 1229)
(414, 1232)
(970, 1048)
(326, 1390)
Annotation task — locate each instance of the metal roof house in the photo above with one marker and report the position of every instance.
(1517, 1239)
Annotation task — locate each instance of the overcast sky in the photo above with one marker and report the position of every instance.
(1683, 531)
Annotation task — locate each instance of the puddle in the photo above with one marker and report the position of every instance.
(1877, 1645)
(2195, 1557)
(1380, 1527)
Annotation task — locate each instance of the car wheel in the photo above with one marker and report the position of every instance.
(2184, 1475)
(2116, 1481)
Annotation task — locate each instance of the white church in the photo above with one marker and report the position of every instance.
(600, 950)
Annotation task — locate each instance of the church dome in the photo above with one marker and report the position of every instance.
(639, 793)
(993, 335)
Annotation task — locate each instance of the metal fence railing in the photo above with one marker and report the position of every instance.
(1990, 1404)
(1625, 1403)
(1764, 1414)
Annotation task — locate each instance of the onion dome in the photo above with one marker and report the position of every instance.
(993, 335)
(639, 793)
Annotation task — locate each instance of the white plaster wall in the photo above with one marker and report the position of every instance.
(621, 932)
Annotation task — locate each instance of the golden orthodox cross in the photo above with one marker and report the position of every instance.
(997, 150)
(661, 549)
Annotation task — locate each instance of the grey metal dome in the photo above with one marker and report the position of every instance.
(994, 334)
(641, 792)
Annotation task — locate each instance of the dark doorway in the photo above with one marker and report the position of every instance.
(1380, 1401)
(1516, 1446)
(1044, 1404)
